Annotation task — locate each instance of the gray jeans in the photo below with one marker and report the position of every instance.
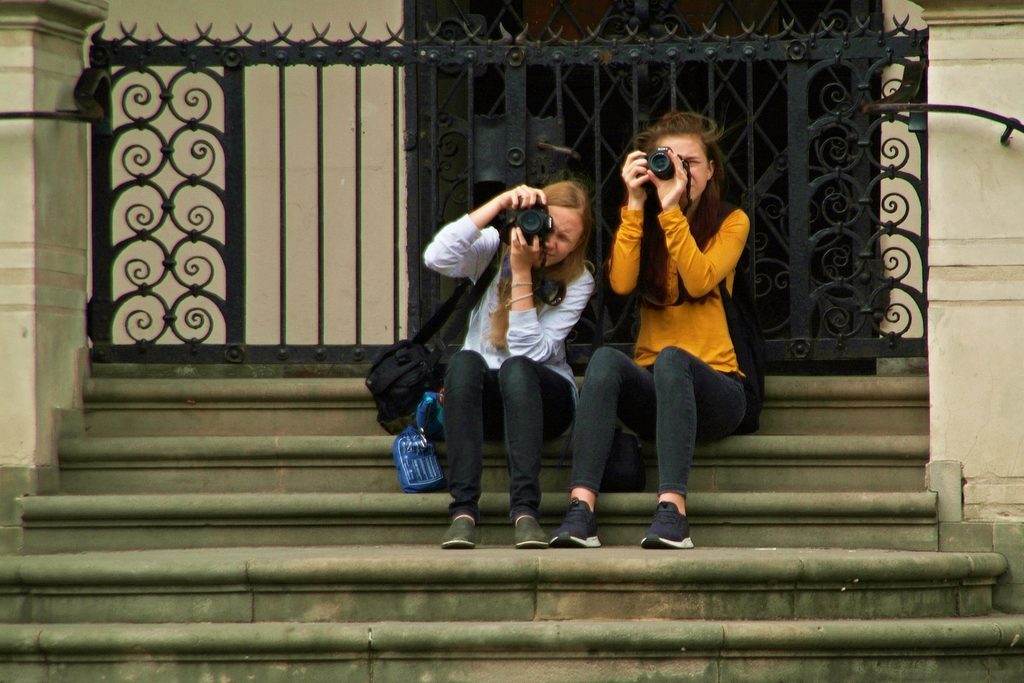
(525, 402)
(682, 401)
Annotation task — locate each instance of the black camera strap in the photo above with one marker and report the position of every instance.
(461, 309)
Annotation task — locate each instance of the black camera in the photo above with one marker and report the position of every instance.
(660, 163)
(533, 221)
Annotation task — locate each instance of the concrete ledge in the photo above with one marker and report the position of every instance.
(876, 634)
(673, 638)
(138, 392)
(90, 639)
(342, 406)
(431, 565)
(210, 450)
(143, 451)
(423, 583)
(131, 509)
(201, 392)
(217, 371)
(17, 481)
(60, 524)
(1000, 537)
(870, 389)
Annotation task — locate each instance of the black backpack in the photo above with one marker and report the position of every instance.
(748, 340)
(746, 333)
(407, 369)
(626, 470)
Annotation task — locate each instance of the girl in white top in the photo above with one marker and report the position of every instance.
(511, 378)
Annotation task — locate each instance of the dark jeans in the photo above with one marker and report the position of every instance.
(683, 401)
(524, 401)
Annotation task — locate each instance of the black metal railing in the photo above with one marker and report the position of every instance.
(495, 96)
(171, 274)
(92, 103)
(905, 100)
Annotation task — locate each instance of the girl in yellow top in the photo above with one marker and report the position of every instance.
(683, 384)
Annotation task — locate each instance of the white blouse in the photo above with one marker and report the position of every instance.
(461, 249)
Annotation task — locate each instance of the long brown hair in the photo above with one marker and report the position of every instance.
(705, 224)
(571, 195)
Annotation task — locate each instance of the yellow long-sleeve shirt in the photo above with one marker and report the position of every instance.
(698, 327)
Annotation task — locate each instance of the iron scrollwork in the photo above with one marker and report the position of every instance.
(167, 208)
(835, 195)
(837, 271)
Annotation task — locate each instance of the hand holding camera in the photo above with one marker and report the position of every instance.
(667, 172)
(666, 166)
(528, 225)
(527, 211)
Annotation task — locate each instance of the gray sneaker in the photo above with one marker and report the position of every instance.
(460, 534)
(529, 534)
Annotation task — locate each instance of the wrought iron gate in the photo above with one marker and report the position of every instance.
(498, 93)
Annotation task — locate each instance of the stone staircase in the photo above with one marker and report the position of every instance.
(253, 530)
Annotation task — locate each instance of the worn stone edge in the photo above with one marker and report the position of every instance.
(139, 392)
(140, 450)
(683, 638)
(783, 571)
(132, 509)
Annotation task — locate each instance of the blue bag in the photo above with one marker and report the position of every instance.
(416, 462)
(429, 416)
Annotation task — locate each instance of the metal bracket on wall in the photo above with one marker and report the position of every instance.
(902, 101)
(92, 99)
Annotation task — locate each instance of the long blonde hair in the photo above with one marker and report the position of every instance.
(571, 195)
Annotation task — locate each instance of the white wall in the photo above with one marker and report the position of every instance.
(976, 253)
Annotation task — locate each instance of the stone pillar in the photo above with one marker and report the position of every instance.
(976, 277)
(43, 243)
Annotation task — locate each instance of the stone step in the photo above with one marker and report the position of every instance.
(804, 651)
(342, 464)
(342, 406)
(425, 583)
(229, 407)
(54, 524)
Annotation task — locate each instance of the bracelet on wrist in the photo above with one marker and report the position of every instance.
(525, 283)
(519, 298)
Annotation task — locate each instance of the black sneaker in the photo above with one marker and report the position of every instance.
(460, 534)
(668, 530)
(579, 530)
(529, 534)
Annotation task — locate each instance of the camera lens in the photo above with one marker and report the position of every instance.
(660, 163)
(530, 222)
(533, 222)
